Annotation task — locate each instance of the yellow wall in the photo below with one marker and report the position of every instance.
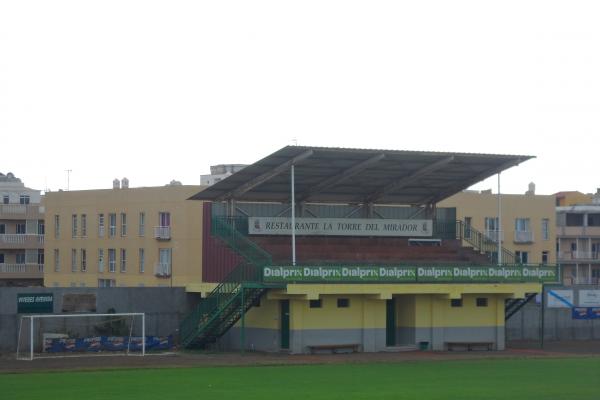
(572, 198)
(185, 242)
(478, 206)
(436, 312)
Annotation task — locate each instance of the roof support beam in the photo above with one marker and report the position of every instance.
(339, 178)
(407, 180)
(466, 184)
(251, 184)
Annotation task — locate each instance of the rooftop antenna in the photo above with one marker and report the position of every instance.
(295, 141)
(68, 171)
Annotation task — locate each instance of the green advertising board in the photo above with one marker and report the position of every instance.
(35, 303)
(409, 274)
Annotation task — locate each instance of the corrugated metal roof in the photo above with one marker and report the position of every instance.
(346, 175)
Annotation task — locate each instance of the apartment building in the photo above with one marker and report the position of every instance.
(578, 239)
(527, 227)
(149, 236)
(21, 233)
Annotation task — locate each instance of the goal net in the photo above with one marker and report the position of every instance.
(63, 335)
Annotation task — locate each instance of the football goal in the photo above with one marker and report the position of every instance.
(68, 335)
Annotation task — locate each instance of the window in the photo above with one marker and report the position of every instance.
(5, 199)
(142, 224)
(573, 246)
(491, 223)
(522, 225)
(56, 226)
(73, 260)
(112, 260)
(24, 199)
(545, 257)
(107, 283)
(41, 227)
(593, 220)
(100, 260)
(21, 229)
(522, 257)
(123, 254)
(482, 302)
(164, 219)
(100, 225)
(56, 261)
(2, 229)
(141, 260)
(83, 254)
(574, 219)
(343, 303)
(315, 303)
(74, 225)
(40, 257)
(545, 229)
(112, 224)
(164, 260)
(1, 258)
(20, 258)
(456, 303)
(123, 224)
(83, 225)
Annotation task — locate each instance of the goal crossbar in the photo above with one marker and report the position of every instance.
(32, 317)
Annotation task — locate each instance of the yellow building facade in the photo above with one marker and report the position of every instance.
(528, 222)
(123, 237)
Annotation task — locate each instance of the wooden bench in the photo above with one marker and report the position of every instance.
(353, 347)
(470, 346)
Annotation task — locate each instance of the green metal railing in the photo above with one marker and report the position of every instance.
(232, 231)
(484, 244)
(223, 295)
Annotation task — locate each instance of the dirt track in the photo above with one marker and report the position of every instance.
(8, 364)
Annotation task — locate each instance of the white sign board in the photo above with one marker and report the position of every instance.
(589, 298)
(560, 299)
(340, 226)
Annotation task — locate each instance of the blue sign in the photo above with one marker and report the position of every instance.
(585, 312)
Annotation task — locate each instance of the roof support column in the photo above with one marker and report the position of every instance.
(499, 223)
(293, 205)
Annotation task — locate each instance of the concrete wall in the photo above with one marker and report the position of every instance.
(558, 322)
(164, 307)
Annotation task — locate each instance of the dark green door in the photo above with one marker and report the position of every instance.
(390, 322)
(285, 323)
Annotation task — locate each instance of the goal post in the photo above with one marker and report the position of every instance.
(64, 335)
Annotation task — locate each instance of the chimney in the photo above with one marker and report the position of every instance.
(531, 190)
(124, 183)
(116, 184)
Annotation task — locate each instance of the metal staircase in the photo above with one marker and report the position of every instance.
(484, 244)
(512, 306)
(234, 295)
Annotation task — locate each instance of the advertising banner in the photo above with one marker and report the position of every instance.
(589, 298)
(35, 303)
(585, 313)
(560, 299)
(407, 274)
(340, 227)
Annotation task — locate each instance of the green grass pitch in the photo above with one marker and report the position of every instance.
(570, 379)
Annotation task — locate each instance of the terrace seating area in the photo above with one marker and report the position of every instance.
(365, 249)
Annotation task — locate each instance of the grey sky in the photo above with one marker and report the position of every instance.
(160, 90)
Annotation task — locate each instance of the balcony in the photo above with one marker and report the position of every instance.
(494, 235)
(578, 255)
(574, 231)
(21, 271)
(523, 237)
(21, 241)
(162, 232)
(21, 211)
(162, 270)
